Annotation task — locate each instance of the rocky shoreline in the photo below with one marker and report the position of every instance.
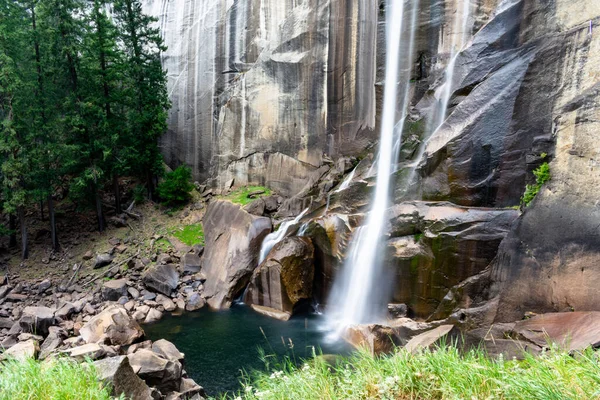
(101, 320)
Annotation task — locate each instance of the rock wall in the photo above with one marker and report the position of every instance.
(294, 80)
(272, 92)
(526, 92)
(266, 78)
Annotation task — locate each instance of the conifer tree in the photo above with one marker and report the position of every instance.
(149, 102)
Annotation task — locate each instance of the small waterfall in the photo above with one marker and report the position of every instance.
(345, 184)
(356, 297)
(437, 118)
(275, 237)
(303, 229)
(347, 181)
(460, 35)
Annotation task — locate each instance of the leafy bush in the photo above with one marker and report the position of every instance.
(176, 188)
(60, 378)
(542, 175)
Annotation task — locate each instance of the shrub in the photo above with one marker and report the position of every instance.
(542, 175)
(176, 188)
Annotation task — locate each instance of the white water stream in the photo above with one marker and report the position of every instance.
(275, 237)
(355, 296)
(459, 39)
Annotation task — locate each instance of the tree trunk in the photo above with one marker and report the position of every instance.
(150, 185)
(42, 209)
(24, 242)
(52, 215)
(117, 191)
(99, 211)
(12, 225)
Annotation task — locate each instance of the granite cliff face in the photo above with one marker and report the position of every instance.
(278, 93)
(261, 90)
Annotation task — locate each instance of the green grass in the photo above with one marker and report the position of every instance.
(190, 234)
(240, 195)
(442, 374)
(58, 379)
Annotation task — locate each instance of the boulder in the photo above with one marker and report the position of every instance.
(380, 338)
(6, 323)
(190, 263)
(22, 351)
(102, 260)
(113, 290)
(112, 326)
(153, 316)
(167, 350)
(52, 342)
(188, 388)
(141, 312)
(4, 291)
(195, 302)
(37, 320)
(233, 240)
(427, 339)
(271, 312)
(570, 331)
(117, 372)
(285, 278)
(133, 292)
(166, 302)
(398, 310)
(161, 277)
(257, 207)
(65, 311)
(158, 372)
(92, 351)
(44, 285)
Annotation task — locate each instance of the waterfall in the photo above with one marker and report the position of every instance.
(355, 296)
(459, 39)
(275, 237)
(460, 36)
(347, 181)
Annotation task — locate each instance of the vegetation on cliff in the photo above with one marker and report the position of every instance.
(53, 379)
(444, 373)
(542, 175)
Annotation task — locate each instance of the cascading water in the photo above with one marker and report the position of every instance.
(347, 181)
(459, 39)
(275, 237)
(355, 296)
(345, 185)
(461, 35)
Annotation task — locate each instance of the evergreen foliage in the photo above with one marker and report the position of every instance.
(176, 187)
(83, 100)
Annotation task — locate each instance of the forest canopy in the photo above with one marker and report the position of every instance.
(83, 101)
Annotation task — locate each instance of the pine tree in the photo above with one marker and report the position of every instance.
(13, 144)
(149, 102)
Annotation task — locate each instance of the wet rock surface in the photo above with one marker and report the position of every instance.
(233, 240)
(285, 277)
